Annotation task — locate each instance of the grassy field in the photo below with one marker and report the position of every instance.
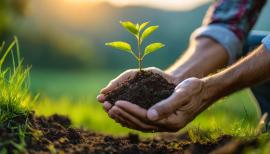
(73, 94)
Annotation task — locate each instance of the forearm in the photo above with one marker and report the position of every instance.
(253, 69)
(204, 56)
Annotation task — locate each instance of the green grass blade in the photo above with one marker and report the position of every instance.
(6, 53)
(17, 48)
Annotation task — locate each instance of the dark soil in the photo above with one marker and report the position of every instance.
(145, 90)
(54, 135)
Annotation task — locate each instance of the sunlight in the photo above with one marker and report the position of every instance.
(159, 4)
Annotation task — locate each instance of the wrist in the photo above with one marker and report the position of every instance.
(215, 87)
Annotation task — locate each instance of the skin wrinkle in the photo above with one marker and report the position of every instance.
(201, 49)
(242, 74)
(209, 46)
(202, 60)
(194, 95)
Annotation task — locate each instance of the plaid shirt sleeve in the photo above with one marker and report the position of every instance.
(266, 42)
(229, 22)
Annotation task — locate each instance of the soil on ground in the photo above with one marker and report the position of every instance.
(145, 90)
(54, 135)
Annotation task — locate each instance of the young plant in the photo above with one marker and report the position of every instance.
(137, 31)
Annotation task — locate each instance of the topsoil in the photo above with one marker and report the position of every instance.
(145, 90)
(54, 135)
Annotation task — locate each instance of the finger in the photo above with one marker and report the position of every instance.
(101, 98)
(120, 116)
(176, 121)
(121, 120)
(140, 114)
(168, 106)
(114, 113)
(107, 106)
(129, 74)
(133, 109)
(139, 125)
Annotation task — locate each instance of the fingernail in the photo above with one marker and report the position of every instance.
(152, 114)
(101, 97)
(107, 105)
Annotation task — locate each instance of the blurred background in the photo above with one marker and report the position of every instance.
(63, 42)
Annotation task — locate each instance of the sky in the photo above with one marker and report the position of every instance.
(160, 4)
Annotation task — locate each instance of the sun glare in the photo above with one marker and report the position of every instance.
(159, 4)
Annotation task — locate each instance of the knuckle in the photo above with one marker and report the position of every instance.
(163, 111)
(115, 110)
(166, 109)
(110, 113)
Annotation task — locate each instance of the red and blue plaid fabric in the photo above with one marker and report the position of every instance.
(239, 16)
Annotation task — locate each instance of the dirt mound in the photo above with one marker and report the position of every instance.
(145, 89)
(54, 135)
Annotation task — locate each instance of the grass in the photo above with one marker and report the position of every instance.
(15, 98)
(73, 94)
(89, 114)
(236, 115)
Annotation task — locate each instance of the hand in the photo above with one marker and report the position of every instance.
(188, 100)
(127, 75)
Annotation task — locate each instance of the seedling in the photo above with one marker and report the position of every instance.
(137, 31)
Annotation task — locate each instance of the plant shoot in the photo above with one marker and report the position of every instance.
(140, 32)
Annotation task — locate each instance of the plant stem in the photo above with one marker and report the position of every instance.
(139, 52)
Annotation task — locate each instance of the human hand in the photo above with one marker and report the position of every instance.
(188, 100)
(125, 76)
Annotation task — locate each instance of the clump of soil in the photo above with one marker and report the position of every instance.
(54, 135)
(145, 90)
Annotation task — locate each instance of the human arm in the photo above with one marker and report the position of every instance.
(226, 25)
(194, 95)
(212, 46)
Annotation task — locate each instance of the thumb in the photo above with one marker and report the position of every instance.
(129, 74)
(165, 108)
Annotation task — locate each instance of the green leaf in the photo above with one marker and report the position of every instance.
(124, 46)
(137, 26)
(148, 32)
(130, 27)
(152, 48)
(143, 25)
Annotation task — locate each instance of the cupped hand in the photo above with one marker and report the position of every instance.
(125, 76)
(169, 115)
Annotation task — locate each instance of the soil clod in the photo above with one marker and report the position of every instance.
(145, 90)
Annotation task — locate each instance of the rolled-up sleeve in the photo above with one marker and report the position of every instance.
(229, 22)
(266, 42)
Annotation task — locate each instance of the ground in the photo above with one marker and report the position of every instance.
(74, 94)
(229, 125)
(54, 135)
